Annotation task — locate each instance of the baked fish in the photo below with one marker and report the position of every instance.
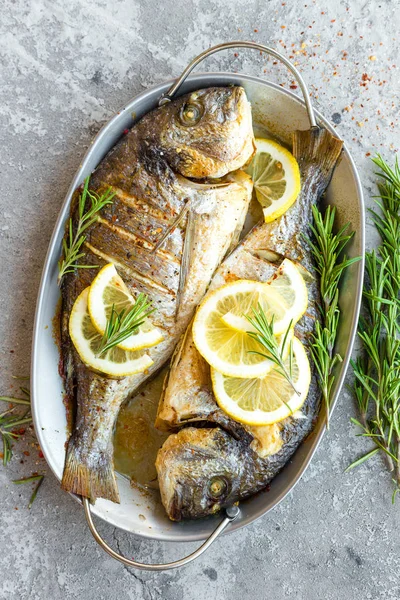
(203, 469)
(165, 234)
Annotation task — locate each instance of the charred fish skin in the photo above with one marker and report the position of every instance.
(147, 170)
(265, 450)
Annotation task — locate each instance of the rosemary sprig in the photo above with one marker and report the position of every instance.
(9, 420)
(72, 243)
(377, 370)
(264, 335)
(123, 324)
(327, 247)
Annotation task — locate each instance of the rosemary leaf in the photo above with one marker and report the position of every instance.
(264, 335)
(13, 400)
(38, 478)
(16, 422)
(361, 460)
(35, 491)
(27, 479)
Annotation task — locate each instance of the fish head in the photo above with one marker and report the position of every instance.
(207, 133)
(200, 470)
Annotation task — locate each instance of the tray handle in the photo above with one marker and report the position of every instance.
(253, 45)
(231, 513)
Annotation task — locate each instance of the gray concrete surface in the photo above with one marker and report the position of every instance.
(66, 67)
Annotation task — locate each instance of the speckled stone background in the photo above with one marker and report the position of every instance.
(66, 67)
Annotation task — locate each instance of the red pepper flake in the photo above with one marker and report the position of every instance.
(27, 453)
(333, 20)
(236, 55)
(283, 26)
(41, 455)
(293, 87)
(368, 154)
(256, 31)
(125, 131)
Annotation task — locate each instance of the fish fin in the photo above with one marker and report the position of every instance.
(161, 423)
(235, 239)
(89, 478)
(317, 150)
(171, 228)
(186, 257)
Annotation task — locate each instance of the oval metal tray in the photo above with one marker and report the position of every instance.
(280, 112)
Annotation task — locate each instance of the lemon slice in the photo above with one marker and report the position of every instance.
(107, 289)
(289, 283)
(268, 400)
(116, 362)
(228, 349)
(276, 177)
(291, 301)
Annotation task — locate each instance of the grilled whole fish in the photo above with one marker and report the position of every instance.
(201, 470)
(233, 459)
(166, 234)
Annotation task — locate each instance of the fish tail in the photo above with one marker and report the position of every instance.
(90, 475)
(317, 152)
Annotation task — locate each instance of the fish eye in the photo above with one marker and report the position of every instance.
(217, 487)
(190, 114)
